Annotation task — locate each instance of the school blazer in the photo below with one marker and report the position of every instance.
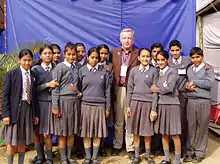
(116, 55)
(12, 95)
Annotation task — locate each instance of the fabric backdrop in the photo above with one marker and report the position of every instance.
(100, 21)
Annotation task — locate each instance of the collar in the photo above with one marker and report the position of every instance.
(196, 69)
(141, 68)
(153, 62)
(24, 71)
(164, 70)
(90, 67)
(81, 62)
(44, 66)
(179, 60)
(67, 63)
(104, 63)
(126, 52)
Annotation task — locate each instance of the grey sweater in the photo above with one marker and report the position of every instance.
(95, 87)
(62, 75)
(203, 80)
(42, 77)
(183, 65)
(167, 87)
(139, 85)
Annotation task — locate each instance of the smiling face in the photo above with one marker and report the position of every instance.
(197, 59)
(93, 59)
(80, 50)
(144, 58)
(127, 39)
(26, 61)
(70, 55)
(162, 62)
(175, 51)
(46, 56)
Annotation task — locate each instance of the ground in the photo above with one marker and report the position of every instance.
(212, 156)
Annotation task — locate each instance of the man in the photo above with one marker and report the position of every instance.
(181, 63)
(124, 58)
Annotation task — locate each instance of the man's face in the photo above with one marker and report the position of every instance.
(154, 52)
(175, 51)
(127, 39)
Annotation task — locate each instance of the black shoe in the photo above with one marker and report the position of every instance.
(136, 160)
(87, 161)
(95, 161)
(150, 160)
(197, 159)
(115, 152)
(48, 161)
(131, 155)
(35, 159)
(102, 152)
(39, 161)
(72, 161)
(165, 162)
(187, 158)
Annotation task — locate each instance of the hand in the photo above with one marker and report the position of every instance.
(153, 116)
(6, 120)
(129, 112)
(36, 120)
(107, 114)
(55, 111)
(52, 84)
(106, 68)
(154, 88)
(190, 83)
(79, 94)
(72, 87)
(190, 87)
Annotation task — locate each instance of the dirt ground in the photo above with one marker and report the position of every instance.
(212, 156)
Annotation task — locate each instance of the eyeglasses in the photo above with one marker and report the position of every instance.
(47, 53)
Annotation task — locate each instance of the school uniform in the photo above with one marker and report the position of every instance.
(18, 103)
(182, 64)
(43, 75)
(198, 108)
(65, 99)
(168, 121)
(96, 99)
(139, 100)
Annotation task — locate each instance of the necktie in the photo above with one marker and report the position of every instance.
(143, 70)
(47, 69)
(194, 69)
(28, 88)
(93, 69)
(72, 66)
(176, 62)
(161, 73)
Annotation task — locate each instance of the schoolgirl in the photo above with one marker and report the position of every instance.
(168, 122)
(95, 104)
(57, 58)
(18, 107)
(139, 103)
(45, 83)
(81, 52)
(66, 103)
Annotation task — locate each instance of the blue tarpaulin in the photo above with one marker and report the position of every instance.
(100, 21)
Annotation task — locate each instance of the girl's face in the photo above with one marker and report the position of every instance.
(70, 56)
(93, 59)
(162, 61)
(197, 59)
(46, 56)
(144, 58)
(56, 55)
(103, 55)
(80, 52)
(26, 62)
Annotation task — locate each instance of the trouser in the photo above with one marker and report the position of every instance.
(121, 118)
(198, 114)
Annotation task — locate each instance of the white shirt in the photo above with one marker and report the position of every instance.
(153, 62)
(141, 68)
(196, 69)
(23, 72)
(68, 64)
(90, 67)
(163, 71)
(179, 60)
(82, 62)
(44, 66)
